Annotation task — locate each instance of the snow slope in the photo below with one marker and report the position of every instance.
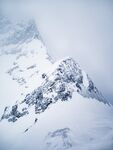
(57, 103)
(25, 66)
(66, 77)
(89, 124)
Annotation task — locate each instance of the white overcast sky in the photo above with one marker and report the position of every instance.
(79, 29)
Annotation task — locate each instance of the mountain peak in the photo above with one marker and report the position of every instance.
(65, 78)
(72, 73)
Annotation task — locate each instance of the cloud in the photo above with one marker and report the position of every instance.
(84, 31)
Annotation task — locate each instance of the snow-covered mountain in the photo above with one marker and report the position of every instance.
(23, 59)
(60, 97)
(64, 78)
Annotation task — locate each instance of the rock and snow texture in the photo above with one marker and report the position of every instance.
(60, 139)
(66, 77)
(69, 110)
(22, 59)
(88, 125)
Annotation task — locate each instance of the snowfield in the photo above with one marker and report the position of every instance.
(46, 105)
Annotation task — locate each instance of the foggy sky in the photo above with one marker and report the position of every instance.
(79, 29)
(84, 31)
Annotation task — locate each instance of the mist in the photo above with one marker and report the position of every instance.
(79, 29)
(82, 30)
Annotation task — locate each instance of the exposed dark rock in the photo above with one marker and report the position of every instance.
(65, 79)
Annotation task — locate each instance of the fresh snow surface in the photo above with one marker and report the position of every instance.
(87, 123)
(90, 124)
(79, 119)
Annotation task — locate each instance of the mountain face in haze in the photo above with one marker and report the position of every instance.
(60, 97)
(21, 46)
(14, 33)
(61, 138)
(64, 78)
